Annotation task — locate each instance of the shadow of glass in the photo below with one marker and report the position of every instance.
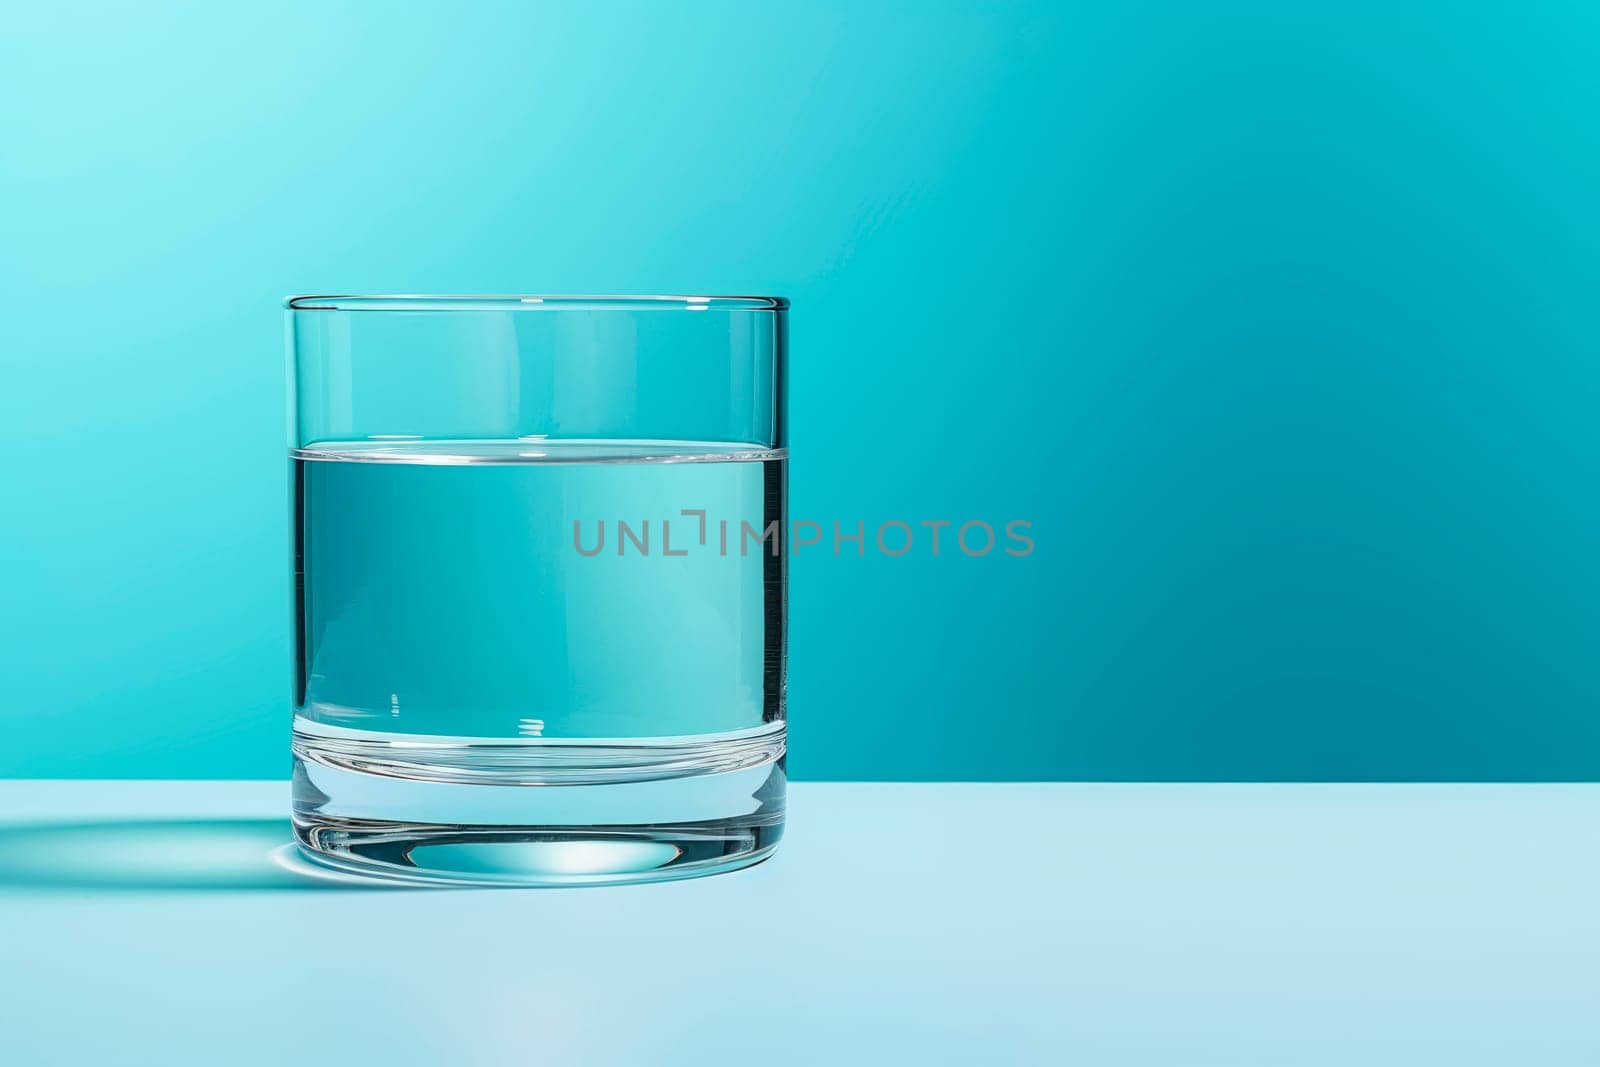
(165, 855)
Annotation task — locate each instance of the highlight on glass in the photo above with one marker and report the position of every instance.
(482, 693)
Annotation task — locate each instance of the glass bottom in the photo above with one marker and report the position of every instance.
(530, 813)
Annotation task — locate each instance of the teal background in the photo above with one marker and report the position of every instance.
(1276, 321)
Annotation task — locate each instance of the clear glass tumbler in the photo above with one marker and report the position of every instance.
(540, 549)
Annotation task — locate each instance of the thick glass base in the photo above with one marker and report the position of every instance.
(538, 813)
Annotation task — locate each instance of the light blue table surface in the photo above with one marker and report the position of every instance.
(993, 924)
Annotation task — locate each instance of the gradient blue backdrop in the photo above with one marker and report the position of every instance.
(1278, 321)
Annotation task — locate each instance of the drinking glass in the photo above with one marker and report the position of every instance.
(540, 555)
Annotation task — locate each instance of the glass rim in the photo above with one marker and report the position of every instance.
(531, 302)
